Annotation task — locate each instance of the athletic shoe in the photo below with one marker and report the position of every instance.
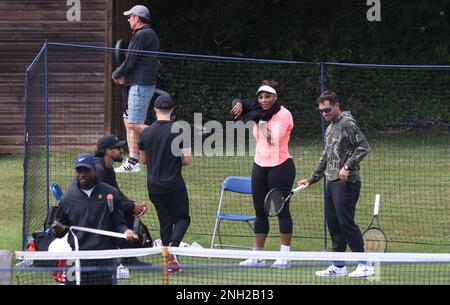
(363, 270)
(281, 263)
(128, 167)
(332, 271)
(60, 275)
(174, 264)
(252, 262)
(123, 273)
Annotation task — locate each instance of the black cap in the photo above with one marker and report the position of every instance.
(164, 102)
(109, 141)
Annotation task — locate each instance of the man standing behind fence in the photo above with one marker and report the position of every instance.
(345, 147)
(138, 74)
(165, 184)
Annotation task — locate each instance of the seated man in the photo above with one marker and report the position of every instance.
(109, 150)
(85, 204)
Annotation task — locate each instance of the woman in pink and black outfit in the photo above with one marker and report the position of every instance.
(273, 165)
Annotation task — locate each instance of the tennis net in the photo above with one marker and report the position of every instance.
(201, 266)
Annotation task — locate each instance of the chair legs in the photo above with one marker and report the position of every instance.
(217, 233)
(251, 227)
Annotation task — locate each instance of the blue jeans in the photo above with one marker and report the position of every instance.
(139, 98)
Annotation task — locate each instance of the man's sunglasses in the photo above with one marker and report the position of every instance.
(326, 110)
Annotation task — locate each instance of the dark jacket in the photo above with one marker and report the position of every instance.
(139, 68)
(251, 110)
(108, 176)
(77, 209)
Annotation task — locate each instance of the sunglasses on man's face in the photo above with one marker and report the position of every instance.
(325, 110)
(131, 16)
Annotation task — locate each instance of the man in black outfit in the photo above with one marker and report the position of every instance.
(109, 150)
(165, 184)
(85, 204)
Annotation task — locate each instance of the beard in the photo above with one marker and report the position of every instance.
(118, 159)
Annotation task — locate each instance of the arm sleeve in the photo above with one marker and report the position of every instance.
(318, 171)
(119, 215)
(359, 141)
(126, 203)
(284, 126)
(62, 216)
(247, 105)
(250, 110)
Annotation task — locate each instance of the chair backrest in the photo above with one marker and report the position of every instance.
(56, 191)
(238, 184)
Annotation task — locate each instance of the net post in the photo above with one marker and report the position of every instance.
(5, 267)
(47, 145)
(325, 232)
(165, 264)
(25, 161)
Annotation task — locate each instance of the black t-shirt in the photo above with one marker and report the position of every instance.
(163, 164)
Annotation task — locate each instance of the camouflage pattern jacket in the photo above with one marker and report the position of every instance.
(345, 145)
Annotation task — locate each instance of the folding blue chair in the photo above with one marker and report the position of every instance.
(56, 191)
(236, 184)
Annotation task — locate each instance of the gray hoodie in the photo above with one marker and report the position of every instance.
(345, 144)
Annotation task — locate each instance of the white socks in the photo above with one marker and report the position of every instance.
(284, 248)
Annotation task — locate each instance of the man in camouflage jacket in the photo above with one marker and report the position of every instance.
(345, 147)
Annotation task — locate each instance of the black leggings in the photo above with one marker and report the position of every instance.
(263, 180)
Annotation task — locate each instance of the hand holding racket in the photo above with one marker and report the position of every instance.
(275, 200)
(374, 237)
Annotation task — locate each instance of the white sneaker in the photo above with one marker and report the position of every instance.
(127, 167)
(252, 262)
(332, 271)
(281, 263)
(123, 273)
(363, 270)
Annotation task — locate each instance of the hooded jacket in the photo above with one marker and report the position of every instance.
(345, 144)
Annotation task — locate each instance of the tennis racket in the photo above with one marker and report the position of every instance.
(374, 237)
(276, 200)
(119, 54)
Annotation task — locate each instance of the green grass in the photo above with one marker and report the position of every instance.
(11, 181)
(411, 171)
(408, 171)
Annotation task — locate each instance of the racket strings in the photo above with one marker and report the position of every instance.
(374, 240)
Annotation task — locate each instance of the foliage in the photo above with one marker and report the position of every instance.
(413, 32)
(409, 32)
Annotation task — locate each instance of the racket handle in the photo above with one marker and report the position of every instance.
(109, 198)
(376, 207)
(299, 188)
